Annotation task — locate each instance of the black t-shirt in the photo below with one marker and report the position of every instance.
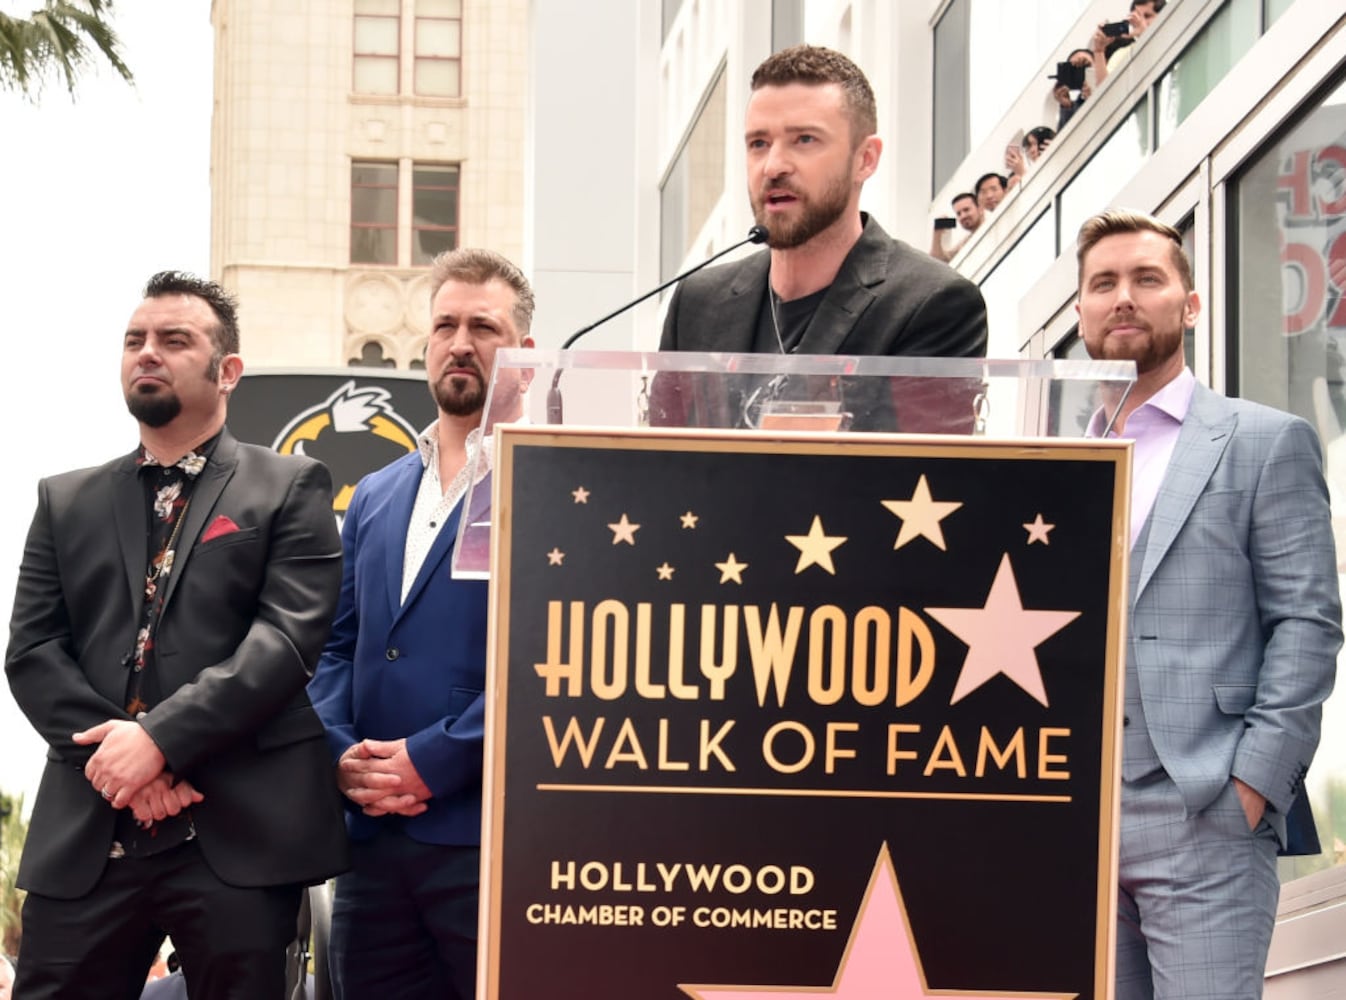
(793, 318)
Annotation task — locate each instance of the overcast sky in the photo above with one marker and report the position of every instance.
(98, 195)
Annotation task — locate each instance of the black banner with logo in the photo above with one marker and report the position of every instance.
(352, 420)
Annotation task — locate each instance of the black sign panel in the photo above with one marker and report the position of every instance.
(816, 715)
(352, 420)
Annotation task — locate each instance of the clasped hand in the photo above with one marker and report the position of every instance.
(127, 769)
(379, 777)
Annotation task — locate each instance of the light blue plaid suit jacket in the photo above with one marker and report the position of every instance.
(1236, 619)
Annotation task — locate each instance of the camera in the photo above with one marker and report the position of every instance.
(1116, 29)
(1069, 75)
(946, 222)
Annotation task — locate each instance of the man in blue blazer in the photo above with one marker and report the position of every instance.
(400, 684)
(1234, 632)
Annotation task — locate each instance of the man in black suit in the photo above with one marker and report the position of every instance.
(169, 610)
(833, 282)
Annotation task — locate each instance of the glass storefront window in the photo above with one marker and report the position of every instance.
(1206, 61)
(1290, 267)
(1115, 163)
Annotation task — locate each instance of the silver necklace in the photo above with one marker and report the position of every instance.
(775, 324)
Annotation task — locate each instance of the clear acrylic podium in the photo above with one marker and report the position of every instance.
(764, 394)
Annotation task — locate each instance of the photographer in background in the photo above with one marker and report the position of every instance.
(966, 213)
(1072, 87)
(1111, 43)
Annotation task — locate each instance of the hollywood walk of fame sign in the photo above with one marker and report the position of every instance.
(802, 716)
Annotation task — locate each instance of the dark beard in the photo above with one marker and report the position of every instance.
(460, 404)
(154, 409)
(816, 217)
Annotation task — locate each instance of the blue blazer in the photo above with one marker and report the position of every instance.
(1236, 620)
(413, 670)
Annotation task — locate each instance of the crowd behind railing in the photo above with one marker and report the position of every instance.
(1075, 79)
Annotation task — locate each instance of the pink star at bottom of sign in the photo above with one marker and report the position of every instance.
(880, 962)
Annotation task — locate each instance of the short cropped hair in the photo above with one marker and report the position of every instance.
(1119, 221)
(221, 301)
(986, 177)
(961, 195)
(816, 66)
(474, 266)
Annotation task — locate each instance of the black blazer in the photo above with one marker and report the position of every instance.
(887, 299)
(244, 619)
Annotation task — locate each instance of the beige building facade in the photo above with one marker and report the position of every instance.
(351, 141)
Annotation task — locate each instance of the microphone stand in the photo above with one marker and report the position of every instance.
(757, 234)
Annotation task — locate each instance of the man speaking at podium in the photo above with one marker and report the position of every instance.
(833, 282)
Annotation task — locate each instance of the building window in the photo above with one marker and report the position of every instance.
(373, 213)
(1107, 172)
(1289, 308)
(375, 218)
(377, 26)
(434, 212)
(1205, 62)
(987, 53)
(439, 48)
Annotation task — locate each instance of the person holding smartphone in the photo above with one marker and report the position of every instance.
(1111, 43)
(968, 214)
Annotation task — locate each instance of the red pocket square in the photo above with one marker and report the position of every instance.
(220, 526)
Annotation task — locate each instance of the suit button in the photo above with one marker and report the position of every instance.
(1126, 720)
(392, 653)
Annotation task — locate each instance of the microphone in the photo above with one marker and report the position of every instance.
(757, 234)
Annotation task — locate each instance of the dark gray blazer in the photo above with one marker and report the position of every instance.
(244, 619)
(888, 299)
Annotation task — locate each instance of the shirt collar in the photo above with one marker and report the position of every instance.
(1173, 400)
(428, 444)
(191, 463)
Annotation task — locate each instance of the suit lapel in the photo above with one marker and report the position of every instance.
(396, 524)
(731, 326)
(443, 542)
(850, 294)
(1202, 441)
(205, 495)
(128, 513)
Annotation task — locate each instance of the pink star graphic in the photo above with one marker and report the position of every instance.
(880, 961)
(1001, 636)
(1038, 529)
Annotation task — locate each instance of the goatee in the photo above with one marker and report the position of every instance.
(154, 409)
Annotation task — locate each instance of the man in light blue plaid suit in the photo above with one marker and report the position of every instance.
(1234, 631)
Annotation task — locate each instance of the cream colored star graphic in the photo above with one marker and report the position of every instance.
(580, 494)
(1001, 636)
(815, 548)
(555, 557)
(921, 516)
(665, 571)
(689, 520)
(1037, 531)
(731, 570)
(624, 531)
